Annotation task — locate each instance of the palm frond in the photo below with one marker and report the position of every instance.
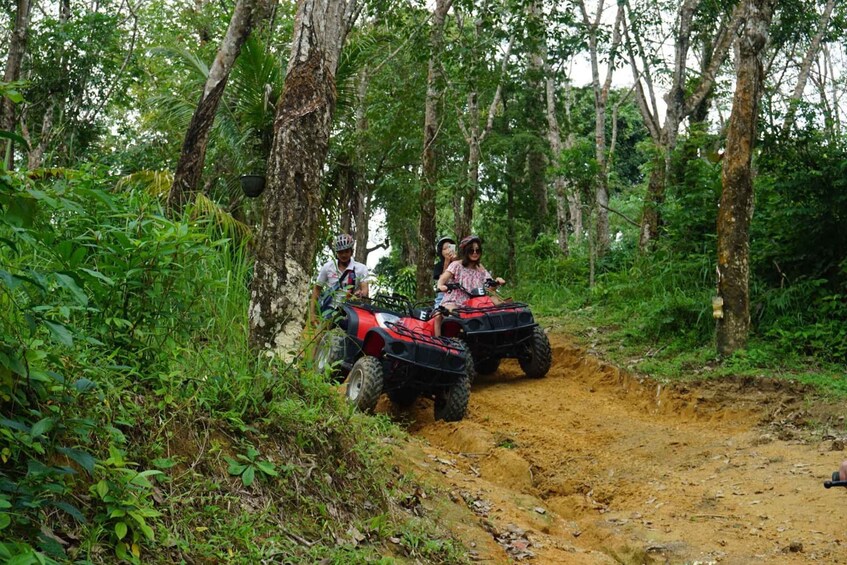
(204, 207)
(186, 58)
(154, 183)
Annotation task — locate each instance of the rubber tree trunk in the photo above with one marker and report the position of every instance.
(14, 60)
(189, 168)
(429, 159)
(287, 242)
(736, 206)
(806, 67)
(554, 137)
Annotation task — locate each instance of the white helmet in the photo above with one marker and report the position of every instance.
(343, 241)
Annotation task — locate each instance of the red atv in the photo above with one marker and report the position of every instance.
(380, 348)
(494, 329)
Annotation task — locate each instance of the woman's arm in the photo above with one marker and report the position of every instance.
(445, 277)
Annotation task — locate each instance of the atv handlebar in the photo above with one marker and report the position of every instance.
(835, 482)
(489, 283)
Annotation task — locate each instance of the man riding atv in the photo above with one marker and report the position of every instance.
(338, 280)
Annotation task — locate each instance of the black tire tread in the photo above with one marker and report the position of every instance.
(372, 383)
(541, 356)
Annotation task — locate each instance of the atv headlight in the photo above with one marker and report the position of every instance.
(525, 318)
(382, 318)
(398, 348)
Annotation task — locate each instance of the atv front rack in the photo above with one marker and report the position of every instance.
(492, 308)
(420, 337)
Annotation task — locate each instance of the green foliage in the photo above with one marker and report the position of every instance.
(246, 466)
(125, 496)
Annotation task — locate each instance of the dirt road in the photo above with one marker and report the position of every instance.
(590, 465)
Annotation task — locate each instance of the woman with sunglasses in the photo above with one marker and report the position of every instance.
(468, 272)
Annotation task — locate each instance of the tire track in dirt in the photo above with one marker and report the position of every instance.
(590, 465)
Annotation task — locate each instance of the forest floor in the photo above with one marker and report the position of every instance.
(594, 465)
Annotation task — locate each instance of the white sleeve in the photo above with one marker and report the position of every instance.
(323, 275)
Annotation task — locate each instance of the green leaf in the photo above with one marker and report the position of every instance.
(248, 476)
(267, 468)
(102, 488)
(60, 333)
(5, 520)
(66, 281)
(84, 385)
(14, 424)
(164, 462)
(41, 427)
(9, 135)
(147, 531)
(120, 530)
(81, 458)
(99, 275)
(72, 510)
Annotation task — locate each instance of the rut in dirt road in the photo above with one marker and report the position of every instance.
(597, 466)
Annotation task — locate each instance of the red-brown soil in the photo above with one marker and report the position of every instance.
(592, 465)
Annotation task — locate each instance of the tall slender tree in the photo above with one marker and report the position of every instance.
(287, 242)
(189, 169)
(429, 158)
(736, 206)
(594, 31)
(14, 60)
(685, 96)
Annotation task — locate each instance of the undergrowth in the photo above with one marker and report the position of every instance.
(652, 313)
(136, 425)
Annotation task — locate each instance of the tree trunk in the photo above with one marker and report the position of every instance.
(573, 193)
(17, 49)
(429, 159)
(736, 206)
(193, 155)
(287, 241)
(601, 97)
(554, 137)
(537, 119)
(679, 105)
(362, 206)
(806, 66)
(465, 198)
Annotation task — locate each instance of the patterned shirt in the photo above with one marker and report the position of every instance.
(469, 278)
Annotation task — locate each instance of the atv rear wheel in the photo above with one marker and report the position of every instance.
(488, 366)
(329, 353)
(539, 358)
(364, 383)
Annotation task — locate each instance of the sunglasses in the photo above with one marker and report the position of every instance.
(475, 250)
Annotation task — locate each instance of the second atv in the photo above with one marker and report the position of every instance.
(494, 329)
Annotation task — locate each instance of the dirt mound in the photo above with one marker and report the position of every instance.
(594, 465)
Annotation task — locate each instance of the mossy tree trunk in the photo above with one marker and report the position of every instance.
(287, 242)
(736, 206)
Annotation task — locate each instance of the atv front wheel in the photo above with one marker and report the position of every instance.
(364, 383)
(470, 366)
(329, 353)
(452, 403)
(536, 364)
(488, 366)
